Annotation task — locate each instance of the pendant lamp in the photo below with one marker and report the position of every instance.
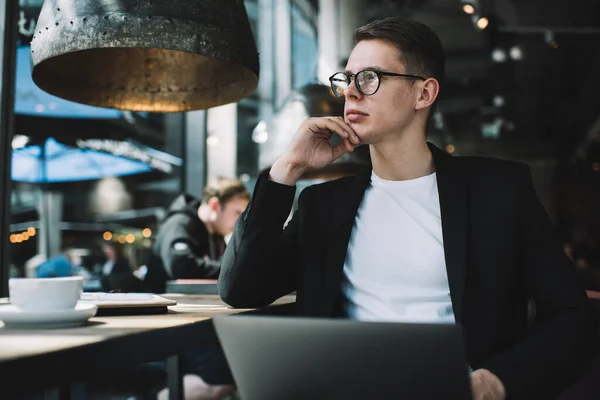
(145, 55)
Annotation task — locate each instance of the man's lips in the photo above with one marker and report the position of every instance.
(353, 115)
(353, 111)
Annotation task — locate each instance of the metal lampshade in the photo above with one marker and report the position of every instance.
(145, 55)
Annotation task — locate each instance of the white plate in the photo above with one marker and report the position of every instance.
(120, 300)
(16, 318)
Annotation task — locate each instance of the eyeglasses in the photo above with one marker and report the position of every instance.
(367, 81)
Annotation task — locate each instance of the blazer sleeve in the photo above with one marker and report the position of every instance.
(260, 262)
(552, 355)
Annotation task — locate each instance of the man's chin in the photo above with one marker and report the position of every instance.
(363, 135)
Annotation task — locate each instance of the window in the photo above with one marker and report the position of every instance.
(305, 49)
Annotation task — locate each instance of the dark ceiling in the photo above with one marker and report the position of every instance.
(551, 95)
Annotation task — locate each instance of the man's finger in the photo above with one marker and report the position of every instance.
(340, 149)
(352, 136)
(348, 128)
(326, 124)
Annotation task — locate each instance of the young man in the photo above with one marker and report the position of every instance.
(190, 240)
(424, 236)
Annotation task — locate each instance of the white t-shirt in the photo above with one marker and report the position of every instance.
(395, 269)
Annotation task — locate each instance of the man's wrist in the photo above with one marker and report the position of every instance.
(493, 380)
(285, 172)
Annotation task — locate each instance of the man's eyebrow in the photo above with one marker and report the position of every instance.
(374, 68)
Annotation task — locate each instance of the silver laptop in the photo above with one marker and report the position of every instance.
(275, 358)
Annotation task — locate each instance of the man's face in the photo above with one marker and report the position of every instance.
(109, 252)
(392, 107)
(227, 214)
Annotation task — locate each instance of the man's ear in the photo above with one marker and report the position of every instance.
(430, 89)
(214, 203)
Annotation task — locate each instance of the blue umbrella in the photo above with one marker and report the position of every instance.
(53, 162)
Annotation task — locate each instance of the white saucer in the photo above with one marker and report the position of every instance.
(16, 318)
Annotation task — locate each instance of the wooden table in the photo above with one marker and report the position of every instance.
(55, 358)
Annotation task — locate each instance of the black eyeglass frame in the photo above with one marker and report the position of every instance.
(352, 77)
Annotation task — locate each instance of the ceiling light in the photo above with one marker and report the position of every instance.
(498, 101)
(516, 53)
(469, 9)
(155, 55)
(260, 133)
(19, 141)
(483, 23)
(499, 55)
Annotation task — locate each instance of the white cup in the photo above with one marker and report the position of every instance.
(45, 294)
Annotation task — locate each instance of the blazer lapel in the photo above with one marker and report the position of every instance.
(344, 212)
(453, 193)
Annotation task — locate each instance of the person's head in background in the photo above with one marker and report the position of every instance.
(112, 250)
(73, 256)
(224, 201)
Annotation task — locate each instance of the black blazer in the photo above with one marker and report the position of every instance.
(500, 249)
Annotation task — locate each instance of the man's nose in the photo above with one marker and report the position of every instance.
(352, 91)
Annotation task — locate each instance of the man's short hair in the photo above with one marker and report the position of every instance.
(419, 47)
(225, 189)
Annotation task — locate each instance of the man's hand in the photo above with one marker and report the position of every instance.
(310, 148)
(486, 386)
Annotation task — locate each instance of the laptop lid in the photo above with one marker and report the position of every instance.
(274, 358)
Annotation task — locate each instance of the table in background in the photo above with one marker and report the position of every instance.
(55, 358)
(192, 286)
(92, 285)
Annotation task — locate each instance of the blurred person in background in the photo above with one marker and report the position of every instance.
(189, 245)
(65, 264)
(116, 274)
(191, 239)
(584, 251)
